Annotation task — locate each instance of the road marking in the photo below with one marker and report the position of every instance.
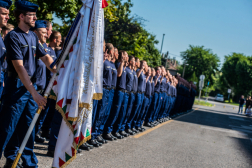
(160, 125)
(236, 118)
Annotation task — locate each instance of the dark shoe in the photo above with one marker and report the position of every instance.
(101, 140)
(50, 153)
(108, 137)
(45, 134)
(85, 147)
(118, 136)
(133, 129)
(9, 163)
(143, 129)
(123, 133)
(39, 139)
(148, 125)
(139, 129)
(79, 150)
(129, 131)
(94, 143)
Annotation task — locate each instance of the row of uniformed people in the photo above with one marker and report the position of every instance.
(26, 76)
(133, 94)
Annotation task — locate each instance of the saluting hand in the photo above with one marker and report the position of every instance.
(40, 100)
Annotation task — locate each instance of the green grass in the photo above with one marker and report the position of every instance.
(236, 104)
(202, 103)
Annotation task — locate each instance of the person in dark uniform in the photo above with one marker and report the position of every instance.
(4, 17)
(129, 87)
(114, 57)
(118, 96)
(163, 88)
(139, 95)
(47, 115)
(41, 32)
(156, 98)
(20, 98)
(96, 139)
(132, 96)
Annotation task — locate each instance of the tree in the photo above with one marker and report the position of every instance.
(200, 61)
(236, 74)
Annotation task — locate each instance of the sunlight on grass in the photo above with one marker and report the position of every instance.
(203, 103)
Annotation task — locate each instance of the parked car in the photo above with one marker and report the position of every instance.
(219, 97)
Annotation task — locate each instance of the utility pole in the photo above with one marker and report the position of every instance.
(162, 44)
(184, 69)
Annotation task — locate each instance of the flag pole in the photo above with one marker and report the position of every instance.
(47, 91)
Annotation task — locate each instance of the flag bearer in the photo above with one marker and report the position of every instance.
(20, 98)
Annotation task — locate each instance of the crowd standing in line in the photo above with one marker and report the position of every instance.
(134, 94)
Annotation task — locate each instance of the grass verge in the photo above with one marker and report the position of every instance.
(203, 103)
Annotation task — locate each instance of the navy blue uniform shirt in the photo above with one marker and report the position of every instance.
(41, 73)
(148, 91)
(152, 87)
(58, 52)
(121, 81)
(51, 52)
(135, 82)
(129, 79)
(23, 46)
(3, 64)
(114, 74)
(163, 85)
(107, 74)
(157, 87)
(169, 88)
(141, 82)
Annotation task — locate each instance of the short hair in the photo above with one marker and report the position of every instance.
(54, 35)
(156, 68)
(109, 47)
(17, 13)
(8, 27)
(131, 57)
(48, 23)
(136, 58)
(121, 52)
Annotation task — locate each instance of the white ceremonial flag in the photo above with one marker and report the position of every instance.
(79, 81)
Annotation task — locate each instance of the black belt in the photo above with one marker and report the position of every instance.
(4, 70)
(15, 75)
(147, 96)
(105, 87)
(140, 92)
(113, 87)
(133, 92)
(156, 92)
(122, 90)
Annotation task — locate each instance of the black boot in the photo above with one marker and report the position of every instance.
(118, 136)
(129, 131)
(101, 140)
(50, 153)
(39, 139)
(148, 125)
(139, 129)
(45, 134)
(85, 147)
(94, 143)
(135, 130)
(123, 133)
(109, 137)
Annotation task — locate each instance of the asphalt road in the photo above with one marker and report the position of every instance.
(206, 137)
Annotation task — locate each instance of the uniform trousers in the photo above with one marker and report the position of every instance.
(122, 114)
(163, 106)
(167, 106)
(143, 111)
(114, 113)
(55, 127)
(159, 104)
(17, 112)
(1, 83)
(152, 108)
(138, 107)
(100, 113)
(107, 112)
(129, 114)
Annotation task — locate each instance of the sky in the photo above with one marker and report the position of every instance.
(225, 26)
